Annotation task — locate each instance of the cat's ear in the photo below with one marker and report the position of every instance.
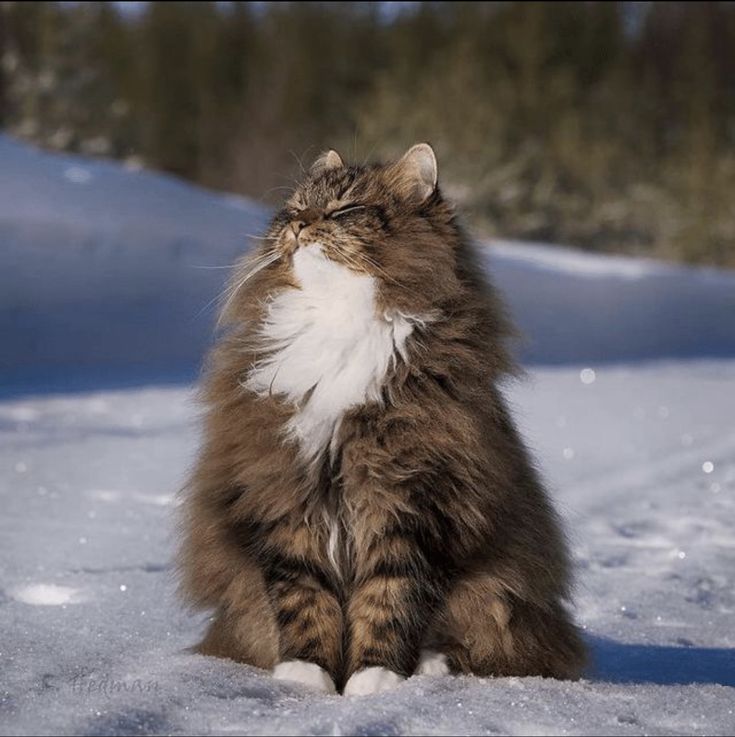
(327, 161)
(414, 176)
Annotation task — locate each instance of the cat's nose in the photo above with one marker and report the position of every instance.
(305, 217)
(297, 226)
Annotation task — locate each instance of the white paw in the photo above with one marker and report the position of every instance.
(309, 674)
(372, 680)
(432, 663)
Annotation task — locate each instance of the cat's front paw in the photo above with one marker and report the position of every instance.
(372, 680)
(432, 663)
(308, 674)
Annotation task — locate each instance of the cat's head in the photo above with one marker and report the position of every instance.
(385, 220)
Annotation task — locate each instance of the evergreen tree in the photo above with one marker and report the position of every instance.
(606, 125)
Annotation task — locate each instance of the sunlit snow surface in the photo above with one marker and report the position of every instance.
(94, 642)
(109, 277)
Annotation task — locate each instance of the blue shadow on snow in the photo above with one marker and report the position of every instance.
(617, 662)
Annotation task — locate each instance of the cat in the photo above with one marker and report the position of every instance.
(363, 508)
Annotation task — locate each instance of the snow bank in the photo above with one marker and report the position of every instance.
(576, 307)
(641, 461)
(105, 272)
(108, 276)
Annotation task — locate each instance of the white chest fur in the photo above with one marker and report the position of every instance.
(326, 340)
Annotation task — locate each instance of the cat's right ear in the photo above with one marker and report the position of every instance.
(414, 176)
(328, 161)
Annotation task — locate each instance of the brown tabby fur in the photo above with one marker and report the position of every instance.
(448, 539)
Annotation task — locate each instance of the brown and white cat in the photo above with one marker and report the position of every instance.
(363, 507)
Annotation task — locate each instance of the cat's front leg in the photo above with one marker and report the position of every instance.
(396, 591)
(306, 605)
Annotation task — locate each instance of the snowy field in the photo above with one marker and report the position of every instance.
(87, 610)
(628, 406)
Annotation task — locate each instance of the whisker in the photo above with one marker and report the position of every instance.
(263, 263)
(260, 237)
(295, 182)
(356, 259)
(350, 261)
(349, 257)
(370, 153)
(299, 159)
(197, 266)
(209, 304)
(368, 260)
(307, 152)
(256, 264)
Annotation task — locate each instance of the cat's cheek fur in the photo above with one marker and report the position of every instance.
(372, 680)
(310, 675)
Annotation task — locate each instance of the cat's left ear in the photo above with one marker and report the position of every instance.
(415, 174)
(327, 161)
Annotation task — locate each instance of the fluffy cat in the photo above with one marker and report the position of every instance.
(363, 507)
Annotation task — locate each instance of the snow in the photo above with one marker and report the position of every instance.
(44, 594)
(98, 304)
(106, 272)
(110, 277)
(88, 609)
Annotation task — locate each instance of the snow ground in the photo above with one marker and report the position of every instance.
(106, 275)
(94, 641)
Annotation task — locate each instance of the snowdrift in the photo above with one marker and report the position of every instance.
(108, 275)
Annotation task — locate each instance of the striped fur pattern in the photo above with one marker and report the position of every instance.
(363, 507)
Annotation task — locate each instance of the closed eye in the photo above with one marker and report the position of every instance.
(345, 211)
